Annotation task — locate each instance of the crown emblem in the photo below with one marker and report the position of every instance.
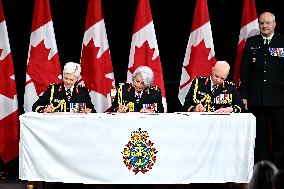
(139, 152)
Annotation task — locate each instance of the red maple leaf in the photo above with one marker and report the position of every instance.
(199, 64)
(42, 71)
(149, 143)
(136, 170)
(150, 165)
(94, 70)
(129, 144)
(143, 57)
(143, 170)
(7, 85)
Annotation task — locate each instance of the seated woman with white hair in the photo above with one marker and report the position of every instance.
(67, 96)
(140, 95)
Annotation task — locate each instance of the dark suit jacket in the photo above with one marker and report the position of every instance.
(79, 95)
(150, 98)
(225, 95)
(262, 72)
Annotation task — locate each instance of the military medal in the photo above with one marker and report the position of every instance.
(276, 52)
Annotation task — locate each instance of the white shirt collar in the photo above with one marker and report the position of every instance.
(269, 38)
(70, 88)
(136, 92)
(212, 83)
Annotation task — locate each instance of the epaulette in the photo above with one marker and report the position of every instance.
(60, 88)
(128, 84)
(202, 77)
(124, 84)
(53, 84)
(77, 88)
(154, 87)
(206, 80)
(59, 85)
(230, 83)
(129, 87)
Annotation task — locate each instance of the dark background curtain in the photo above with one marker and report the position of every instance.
(172, 21)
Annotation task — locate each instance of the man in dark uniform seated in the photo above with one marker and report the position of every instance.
(140, 95)
(67, 96)
(214, 94)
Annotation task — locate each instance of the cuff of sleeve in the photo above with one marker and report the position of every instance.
(237, 109)
(39, 109)
(191, 109)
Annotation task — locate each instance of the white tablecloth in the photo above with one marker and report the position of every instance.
(87, 148)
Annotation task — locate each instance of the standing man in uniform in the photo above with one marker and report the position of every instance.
(214, 94)
(262, 88)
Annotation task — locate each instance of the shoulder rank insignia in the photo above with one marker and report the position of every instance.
(206, 81)
(129, 88)
(230, 83)
(139, 153)
(77, 88)
(60, 88)
(154, 87)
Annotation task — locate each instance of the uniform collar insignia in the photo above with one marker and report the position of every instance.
(129, 88)
(207, 81)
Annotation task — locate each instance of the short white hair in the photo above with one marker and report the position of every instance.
(72, 68)
(146, 73)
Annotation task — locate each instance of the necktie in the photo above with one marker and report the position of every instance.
(68, 94)
(266, 42)
(138, 96)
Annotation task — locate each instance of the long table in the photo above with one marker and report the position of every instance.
(134, 148)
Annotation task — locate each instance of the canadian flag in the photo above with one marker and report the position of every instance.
(249, 27)
(97, 72)
(199, 56)
(43, 66)
(9, 117)
(144, 47)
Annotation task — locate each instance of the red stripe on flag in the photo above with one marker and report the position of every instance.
(201, 12)
(9, 137)
(143, 15)
(42, 14)
(249, 15)
(2, 17)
